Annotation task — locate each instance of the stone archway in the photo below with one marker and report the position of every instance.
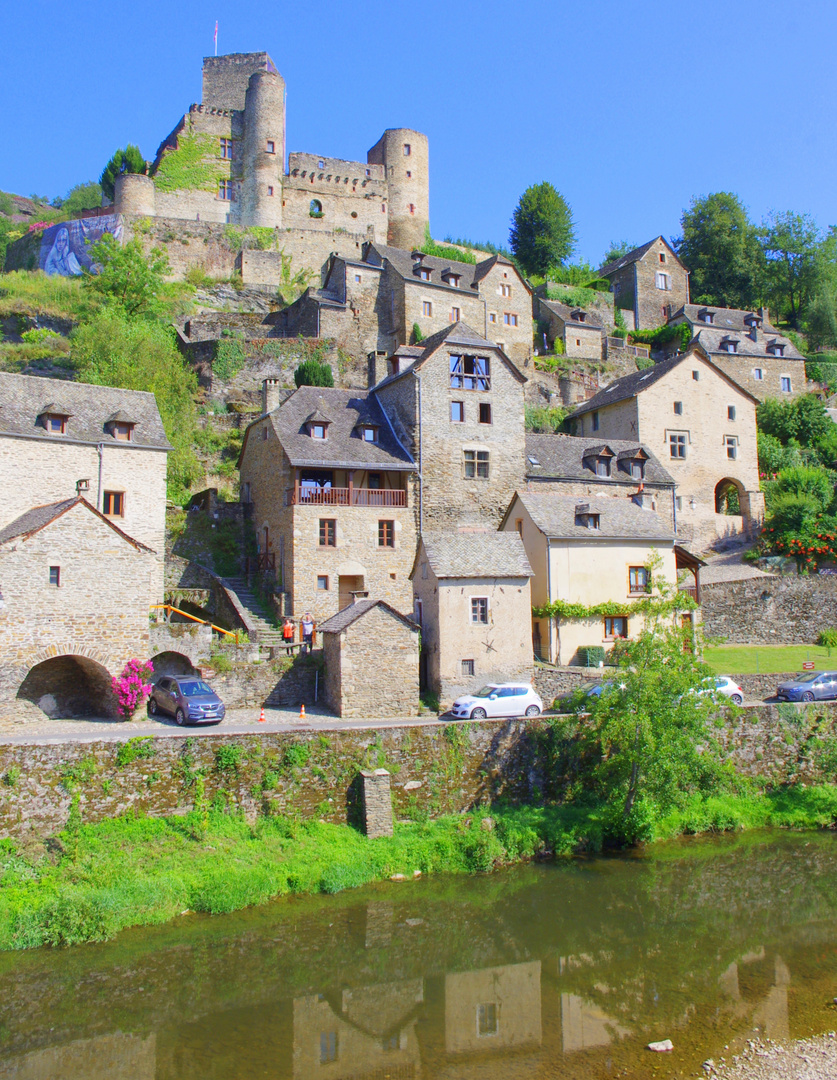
(69, 685)
(172, 663)
(730, 497)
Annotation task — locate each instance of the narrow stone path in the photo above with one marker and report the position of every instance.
(259, 628)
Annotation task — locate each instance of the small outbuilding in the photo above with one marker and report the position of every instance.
(371, 654)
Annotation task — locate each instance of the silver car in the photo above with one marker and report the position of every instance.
(187, 698)
(812, 686)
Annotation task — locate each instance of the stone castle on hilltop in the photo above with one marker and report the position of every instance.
(224, 162)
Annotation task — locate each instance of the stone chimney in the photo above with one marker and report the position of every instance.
(376, 368)
(765, 316)
(271, 392)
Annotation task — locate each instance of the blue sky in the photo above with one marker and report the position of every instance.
(629, 108)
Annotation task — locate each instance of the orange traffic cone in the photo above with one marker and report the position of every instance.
(261, 716)
(302, 712)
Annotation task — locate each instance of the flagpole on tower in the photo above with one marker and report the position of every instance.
(216, 37)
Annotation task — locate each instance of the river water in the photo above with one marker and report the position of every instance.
(553, 970)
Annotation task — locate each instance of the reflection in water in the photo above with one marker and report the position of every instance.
(552, 971)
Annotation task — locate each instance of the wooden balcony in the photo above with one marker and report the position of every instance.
(375, 497)
(690, 590)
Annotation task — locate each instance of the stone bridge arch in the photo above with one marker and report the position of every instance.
(69, 681)
(172, 663)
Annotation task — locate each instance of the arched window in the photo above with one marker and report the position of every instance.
(315, 209)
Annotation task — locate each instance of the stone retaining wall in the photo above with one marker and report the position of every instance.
(770, 610)
(551, 682)
(434, 767)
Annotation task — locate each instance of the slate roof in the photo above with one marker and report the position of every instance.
(634, 256)
(459, 333)
(631, 385)
(619, 519)
(38, 517)
(476, 555)
(23, 398)
(562, 457)
(345, 410)
(355, 611)
(565, 312)
(710, 338)
(470, 275)
(724, 318)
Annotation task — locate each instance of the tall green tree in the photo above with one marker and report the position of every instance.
(791, 244)
(128, 160)
(616, 249)
(81, 197)
(128, 278)
(542, 232)
(720, 248)
(821, 322)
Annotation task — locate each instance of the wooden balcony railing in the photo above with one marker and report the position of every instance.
(310, 496)
(691, 590)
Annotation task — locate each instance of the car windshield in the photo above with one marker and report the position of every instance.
(809, 677)
(486, 691)
(194, 688)
(586, 687)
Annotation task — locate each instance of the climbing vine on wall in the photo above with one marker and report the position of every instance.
(649, 605)
(192, 166)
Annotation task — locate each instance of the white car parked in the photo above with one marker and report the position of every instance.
(498, 699)
(722, 686)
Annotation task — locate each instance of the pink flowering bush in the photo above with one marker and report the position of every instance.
(132, 686)
(38, 226)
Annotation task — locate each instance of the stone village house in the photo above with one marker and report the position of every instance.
(82, 531)
(473, 602)
(697, 419)
(748, 348)
(580, 332)
(650, 281)
(369, 306)
(588, 551)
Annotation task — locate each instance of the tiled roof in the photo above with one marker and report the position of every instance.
(477, 554)
(469, 274)
(634, 256)
(23, 398)
(557, 517)
(565, 312)
(355, 611)
(631, 385)
(344, 448)
(562, 457)
(39, 517)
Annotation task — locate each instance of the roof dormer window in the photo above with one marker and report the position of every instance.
(586, 518)
(776, 348)
(729, 345)
(578, 315)
(451, 278)
(602, 466)
(368, 432)
(637, 469)
(121, 426)
(318, 431)
(753, 321)
(317, 423)
(424, 273)
(54, 419)
(706, 316)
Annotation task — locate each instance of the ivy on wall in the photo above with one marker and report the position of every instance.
(649, 605)
(192, 166)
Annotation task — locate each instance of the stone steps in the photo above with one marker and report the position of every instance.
(262, 631)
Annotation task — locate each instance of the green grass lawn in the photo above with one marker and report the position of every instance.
(749, 659)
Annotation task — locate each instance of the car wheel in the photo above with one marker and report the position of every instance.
(478, 714)
(736, 699)
(180, 717)
(533, 710)
(807, 696)
(152, 707)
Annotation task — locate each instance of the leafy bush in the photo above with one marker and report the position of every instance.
(430, 247)
(141, 748)
(129, 279)
(417, 336)
(81, 197)
(197, 276)
(230, 358)
(663, 335)
(828, 637)
(546, 419)
(314, 373)
(817, 484)
(591, 655)
(228, 757)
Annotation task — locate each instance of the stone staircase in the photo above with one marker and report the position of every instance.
(250, 610)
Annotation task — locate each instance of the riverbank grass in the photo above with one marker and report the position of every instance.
(96, 880)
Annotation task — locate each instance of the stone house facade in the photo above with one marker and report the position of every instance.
(748, 348)
(650, 281)
(588, 551)
(371, 654)
(702, 424)
(332, 494)
(456, 405)
(61, 439)
(74, 608)
(473, 602)
(589, 468)
(371, 305)
(242, 179)
(580, 332)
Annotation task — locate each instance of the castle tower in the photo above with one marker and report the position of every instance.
(225, 78)
(134, 193)
(404, 154)
(264, 150)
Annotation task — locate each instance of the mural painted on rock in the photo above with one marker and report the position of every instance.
(64, 247)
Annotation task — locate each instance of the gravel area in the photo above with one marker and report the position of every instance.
(806, 1059)
(729, 568)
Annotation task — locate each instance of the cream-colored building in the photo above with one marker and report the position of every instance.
(472, 600)
(588, 551)
(702, 425)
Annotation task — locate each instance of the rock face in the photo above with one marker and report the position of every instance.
(770, 610)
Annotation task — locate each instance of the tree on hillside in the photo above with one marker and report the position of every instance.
(821, 323)
(81, 197)
(616, 249)
(314, 373)
(791, 244)
(128, 160)
(127, 277)
(542, 232)
(719, 246)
